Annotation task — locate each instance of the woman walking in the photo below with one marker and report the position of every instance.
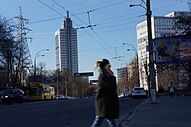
(107, 103)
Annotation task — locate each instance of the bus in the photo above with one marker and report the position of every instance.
(41, 92)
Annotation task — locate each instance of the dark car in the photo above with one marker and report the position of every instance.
(9, 96)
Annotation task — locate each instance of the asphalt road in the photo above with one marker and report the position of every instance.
(57, 113)
(168, 112)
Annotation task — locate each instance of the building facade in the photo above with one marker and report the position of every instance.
(67, 47)
(162, 26)
(122, 76)
(122, 73)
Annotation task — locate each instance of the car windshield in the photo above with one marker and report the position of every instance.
(1, 92)
(5, 92)
(138, 88)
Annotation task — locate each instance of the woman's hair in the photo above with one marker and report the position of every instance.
(101, 63)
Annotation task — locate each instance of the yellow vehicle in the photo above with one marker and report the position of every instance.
(41, 92)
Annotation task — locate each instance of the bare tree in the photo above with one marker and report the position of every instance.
(166, 74)
(12, 55)
(130, 80)
(73, 86)
(41, 68)
(123, 83)
(183, 24)
(133, 78)
(7, 51)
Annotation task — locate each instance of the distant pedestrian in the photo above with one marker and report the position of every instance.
(107, 102)
(171, 89)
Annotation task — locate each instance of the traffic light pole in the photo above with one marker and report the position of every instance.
(152, 73)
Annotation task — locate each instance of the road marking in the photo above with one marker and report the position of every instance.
(136, 109)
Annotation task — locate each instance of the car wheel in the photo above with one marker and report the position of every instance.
(20, 101)
(45, 97)
(9, 101)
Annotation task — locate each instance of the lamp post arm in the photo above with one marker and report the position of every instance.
(36, 56)
(131, 46)
(41, 51)
(140, 5)
(35, 63)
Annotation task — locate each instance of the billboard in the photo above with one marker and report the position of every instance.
(175, 49)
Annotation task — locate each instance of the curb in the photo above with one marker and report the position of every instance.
(132, 113)
(136, 109)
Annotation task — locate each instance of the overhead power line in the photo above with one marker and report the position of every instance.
(51, 8)
(101, 7)
(100, 2)
(85, 24)
(99, 43)
(68, 11)
(45, 20)
(99, 24)
(45, 33)
(79, 26)
(84, 1)
(120, 24)
(118, 18)
(109, 5)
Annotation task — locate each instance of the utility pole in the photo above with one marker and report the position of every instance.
(152, 73)
(23, 49)
(148, 80)
(151, 76)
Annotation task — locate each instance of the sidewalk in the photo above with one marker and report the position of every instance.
(168, 112)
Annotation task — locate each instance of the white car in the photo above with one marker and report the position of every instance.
(139, 92)
(127, 93)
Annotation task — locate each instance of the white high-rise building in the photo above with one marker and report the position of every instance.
(66, 47)
(162, 26)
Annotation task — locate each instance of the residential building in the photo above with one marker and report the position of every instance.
(66, 47)
(122, 76)
(122, 73)
(162, 26)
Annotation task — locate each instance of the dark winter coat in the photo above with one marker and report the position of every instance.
(107, 102)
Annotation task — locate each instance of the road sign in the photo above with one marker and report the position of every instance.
(85, 74)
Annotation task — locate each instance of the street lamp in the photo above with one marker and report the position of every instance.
(133, 47)
(129, 44)
(36, 56)
(36, 62)
(152, 80)
(141, 5)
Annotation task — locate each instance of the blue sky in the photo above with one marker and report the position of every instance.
(115, 20)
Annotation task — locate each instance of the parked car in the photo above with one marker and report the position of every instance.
(9, 96)
(139, 92)
(60, 97)
(128, 93)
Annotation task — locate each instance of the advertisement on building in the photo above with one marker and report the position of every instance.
(175, 49)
